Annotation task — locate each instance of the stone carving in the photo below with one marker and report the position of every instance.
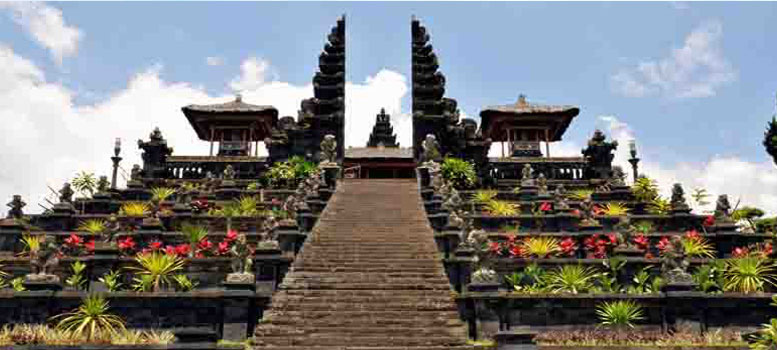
(542, 184)
(16, 204)
(431, 149)
(241, 256)
(618, 178)
(229, 172)
(599, 155)
(329, 149)
(135, 173)
(103, 184)
(46, 258)
(587, 213)
(678, 199)
(527, 175)
(155, 153)
(723, 208)
(674, 263)
(66, 194)
(560, 199)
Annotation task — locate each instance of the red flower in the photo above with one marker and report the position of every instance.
(598, 210)
(649, 256)
(89, 246)
(223, 248)
(740, 252)
(516, 251)
(73, 241)
(204, 245)
(182, 249)
(231, 236)
(576, 212)
(495, 248)
(568, 246)
(641, 242)
(709, 221)
(127, 243)
(545, 206)
(170, 250)
(154, 245)
(613, 238)
(767, 249)
(199, 255)
(663, 244)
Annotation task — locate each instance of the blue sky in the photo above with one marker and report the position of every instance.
(693, 82)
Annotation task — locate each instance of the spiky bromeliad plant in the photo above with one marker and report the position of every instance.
(459, 172)
(615, 209)
(156, 269)
(93, 226)
(135, 209)
(619, 313)
(748, 274)
(571, 279)
(501, 208)
(659, 206)
(484, 196)
(194, 235)
(580, 194)
(91, 319)
(540, 246)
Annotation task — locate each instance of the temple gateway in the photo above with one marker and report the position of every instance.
(428, 246)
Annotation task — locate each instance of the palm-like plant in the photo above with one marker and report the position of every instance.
(615, 209)
(484, 196)
(111, 280)
(645, 189)
(501, 208)
(540, 247)
(157, 268)
(748, 274)
(85, 183)
(90, 319)
(570, 279)
(160, 194)
(135, 209)
(194, 234)
(93, 226)
(659, 206)
(619, 313)
(766, 338)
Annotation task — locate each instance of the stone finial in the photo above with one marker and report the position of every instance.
(542, 184)
(678, 198)
(135, 172)
(722, 207)
(16, 204)
(66, 194)
(522, 100)
(238, 97)
(103, 184)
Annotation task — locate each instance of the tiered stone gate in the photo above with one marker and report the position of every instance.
(369, 277)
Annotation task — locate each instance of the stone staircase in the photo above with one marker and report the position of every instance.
(369, 278)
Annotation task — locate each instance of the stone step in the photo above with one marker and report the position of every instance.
(341, 339)
(304, 319)
(458, 347)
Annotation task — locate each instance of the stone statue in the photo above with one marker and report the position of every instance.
(618, 178)
(66, 194)
(155, 153)
(527, 174)
(431, 149)
(103, 184)
(16, 204)
(329, 149)
(229, 172)
(678, 198)
(722, 208)
(598, 156)
(542, 184)
(135, 173)
(46, 258)
(587, 213)
(674, 262)
(560, 199)
(241, 256)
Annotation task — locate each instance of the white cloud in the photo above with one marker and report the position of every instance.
(48, 138)
(253, 73)
(752, 183)
(47, 26)
(214, 61)
(697, 69)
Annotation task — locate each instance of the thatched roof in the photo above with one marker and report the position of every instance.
(554, 118)
(237, 113)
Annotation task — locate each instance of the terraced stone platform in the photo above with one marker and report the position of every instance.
(368, 278)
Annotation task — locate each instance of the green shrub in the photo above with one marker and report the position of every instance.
(90, 319)
(459, 172)
(619, 313)
(287, 174)
(570, 279)
(748, 274)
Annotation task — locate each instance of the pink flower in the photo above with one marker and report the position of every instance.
(641, 242)
(568, 246)
(709, 221)
(231, 236)
(495, 248)
(223, 248)
(204, 245)
(89, 246)
(182, 249)
(170, 250)
(663, 244)
(740, 252)
(154, 245)
(693, 234)
(545, 206)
